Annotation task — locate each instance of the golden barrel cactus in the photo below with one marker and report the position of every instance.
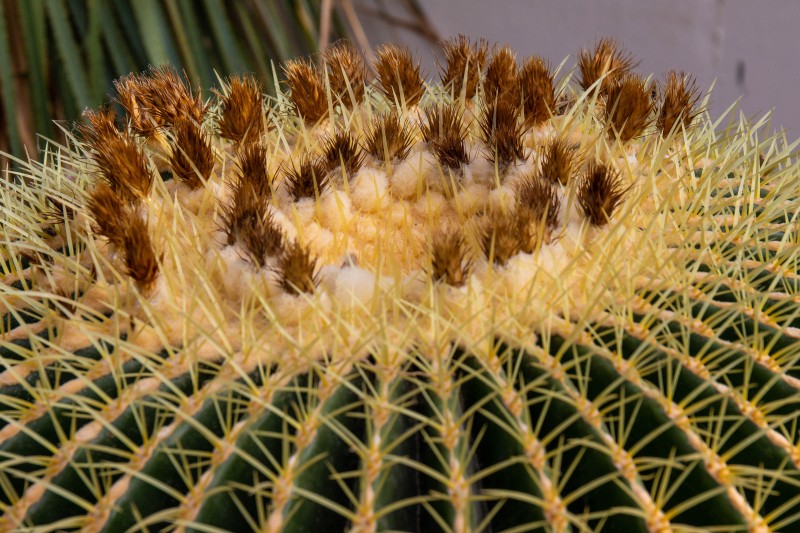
(502, 302)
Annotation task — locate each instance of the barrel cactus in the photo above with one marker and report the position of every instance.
(502, 301)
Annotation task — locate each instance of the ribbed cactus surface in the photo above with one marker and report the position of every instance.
(510, 300)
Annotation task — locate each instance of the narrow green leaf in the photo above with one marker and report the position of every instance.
(7, 85)
(190, 41)
(253, 41)
(94, 48)
(32, 15)
(287, 11)
(224, 36)
(130, 32)
(72, 107)
(275, 29)
(155, 31)
(307, 18)
(68, 52)
(119, 51)
(79, 16)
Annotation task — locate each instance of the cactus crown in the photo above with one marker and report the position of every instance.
(499, 302)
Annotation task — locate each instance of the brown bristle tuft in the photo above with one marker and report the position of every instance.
(600, 193)
(307, 178)
(445, 132)
(341, 150)
(121, 163)
(532, 232)
(110, 213)
(140, 256)
(680, 96)
(261, 237)
(502, 132)
(308, 89)
(130, 91)
(192, 158)
(537, 210)
(247, 220)
(297, 269)
(465, 63)
(253, 170)
(607, 59)
(450, 260)
(101, 126)
(558, 161)
(157, 99)
(242, 110)
(399, 77)
(346, 73)
(501, 77)
(245, 204)
(389, 139)
(538, 91)
(500, 237)
(628, 107)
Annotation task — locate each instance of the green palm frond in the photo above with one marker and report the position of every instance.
(58, 57)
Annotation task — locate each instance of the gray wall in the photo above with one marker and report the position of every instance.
(751, 47)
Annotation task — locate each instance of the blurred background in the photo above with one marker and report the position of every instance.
(58, 57)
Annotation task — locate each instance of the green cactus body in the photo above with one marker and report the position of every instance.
(373, 307)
